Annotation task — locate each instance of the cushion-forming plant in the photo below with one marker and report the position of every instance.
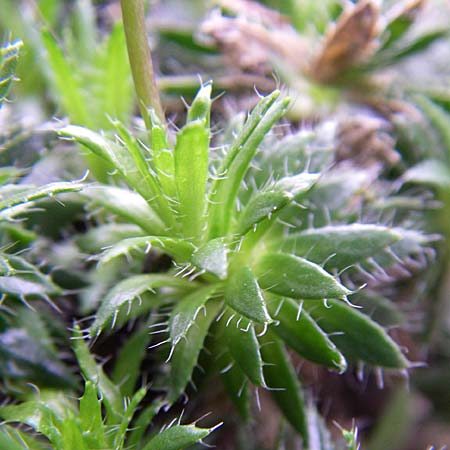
(249, 275)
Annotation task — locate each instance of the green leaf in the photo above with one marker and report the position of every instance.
(179, 249)
(93, 372)
(236, 385)
(272, 199)
(349, 244)
(244, 295)
(162, 156)
(36, 415)
(191, 174)
(185, 313)
(102, 236)
(201, 106)
(140, 425)
(17, 202)
(285, 387)
(225, 188)
(177, 437)
(116, 86)
(297, 278)
(132, 405)
(212, 257)
(356, 335)
(126, 204)
(243, 346)
(185, 353)
(9, 53)
(429, 172)
(65, 82)
(91, 417)
(128, 160)
(124, 292)
(127, 366)
(438, 118)
(145, 172)
(298, 330)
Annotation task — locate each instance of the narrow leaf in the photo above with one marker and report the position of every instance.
(191, 174)
(93, 372)
(128, 290)
(177, 437)
(273, 199)
(185, 313)
(180, 250)
(356, 335)
(186, 352)
(243, 346)
(342, 244)
(297, 278)
(298, 330)
(91, 416)
(244, 295)
(283, 380)
(236, 163)
(201, 106)
(126, 204)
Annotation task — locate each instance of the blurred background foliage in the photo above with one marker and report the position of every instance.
(376, 73)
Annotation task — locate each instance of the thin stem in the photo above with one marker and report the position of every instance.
(140, 58)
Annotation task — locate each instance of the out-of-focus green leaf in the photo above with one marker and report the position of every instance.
(282, 379)
(342, 244)
(11, 205)
(91, 416)
(244, 295)
(429, 172)
(128, 205)
(9, 53)
(129, 359)
(296, 277)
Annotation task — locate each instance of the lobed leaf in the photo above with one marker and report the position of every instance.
(341, 245)
(356, 335)
(91, 417)
(243, 294)
(296, 277)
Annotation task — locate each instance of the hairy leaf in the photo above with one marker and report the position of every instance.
(283, 380)
(244, 295)
(342, 244)
(212, 257)
(356, 335)
(303, 334)
(297, 277)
